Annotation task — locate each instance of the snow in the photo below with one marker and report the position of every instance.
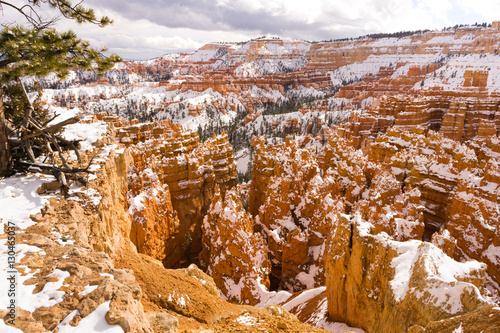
(274, 297)
(404, 227)
(247, 320)
(111, 276)
(180, 300)
(459, 329)
(92, 194)
(303, 298)
(63, 114)
(444, 289)
(21, 251)
(320, 318)
(136, 203)
(357, 71)
(47, 297)
(88, 133)
(4, 328)
(62, 240)
(202, 55)
(87, 290)
(451, 76)
(277, 56)
(493, 254)
(452, 40)
(308, 278)
(19, 198)
(242, 158)
(94, 322)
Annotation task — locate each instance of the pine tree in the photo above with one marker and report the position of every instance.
(38, 49)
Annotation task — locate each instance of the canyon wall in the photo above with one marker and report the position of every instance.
(172, 184)
(355, 220)
(382, 285)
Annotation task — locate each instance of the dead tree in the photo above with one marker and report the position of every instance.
(47, 154)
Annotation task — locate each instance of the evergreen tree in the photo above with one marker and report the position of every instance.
(38, 49)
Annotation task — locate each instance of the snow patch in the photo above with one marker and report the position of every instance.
(94, 322)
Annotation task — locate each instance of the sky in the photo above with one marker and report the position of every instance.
(149, 29)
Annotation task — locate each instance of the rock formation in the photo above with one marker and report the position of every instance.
(285, 197)
(78, 265)
(176, 175)
(436, 68)
(382, 285)
(388, 221)
(405, 187)
(233, 254)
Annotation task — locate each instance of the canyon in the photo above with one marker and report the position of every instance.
(372, 196)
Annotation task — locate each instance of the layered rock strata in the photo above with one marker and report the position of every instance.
(459, 188)
(78, 266)
(177, 176)
(233, 253)
(382, 285)
(405, 187)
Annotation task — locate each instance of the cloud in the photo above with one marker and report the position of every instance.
(483, 10)
(150, 29)
(315, 18)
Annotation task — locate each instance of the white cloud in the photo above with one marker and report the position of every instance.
(485, 10)
(150, 29)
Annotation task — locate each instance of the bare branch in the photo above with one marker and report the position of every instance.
(20, 10)
(51, 129)
(49, 167)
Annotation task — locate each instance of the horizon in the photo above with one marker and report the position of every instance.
(412, 32)
(142, 32)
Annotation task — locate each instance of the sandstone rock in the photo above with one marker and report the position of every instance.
(485, 318)
(163, 322)
(155, 220)
(177, 291)
(232, 253)
(378, 284)
(295, 212)
(206, 280)
(172, 185)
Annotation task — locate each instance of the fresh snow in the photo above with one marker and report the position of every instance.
(242, 158)
(247, 320)
(94, 322)
(19, 199)
(493, 253)
(303, 298)
(445, 289)
(4, 328)
(111, 276)
(459, 329)
(451, 76)
(319, 318)
(87, 290)
(88, 133)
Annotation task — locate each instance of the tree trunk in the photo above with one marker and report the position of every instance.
(5, 158)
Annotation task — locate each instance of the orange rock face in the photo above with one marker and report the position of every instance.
(457, 116)
(297, 197)
(172, 185)
(233, 253)
(458, 185)
(382, 285)
(409, 186)
(155, 220)
(294, 210)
